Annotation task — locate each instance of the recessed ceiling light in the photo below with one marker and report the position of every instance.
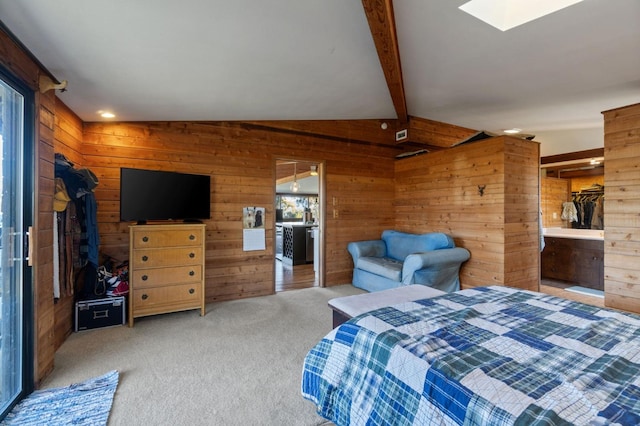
(506, 14)
(512, 131)
(106, 114)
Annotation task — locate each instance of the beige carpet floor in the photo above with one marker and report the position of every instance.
(240, 364)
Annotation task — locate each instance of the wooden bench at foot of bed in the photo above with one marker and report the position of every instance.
(347, 307)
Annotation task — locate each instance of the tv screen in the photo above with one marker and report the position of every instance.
(159, 195)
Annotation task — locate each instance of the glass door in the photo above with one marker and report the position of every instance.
(16, 189)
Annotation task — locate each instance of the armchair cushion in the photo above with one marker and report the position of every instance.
(383, 266)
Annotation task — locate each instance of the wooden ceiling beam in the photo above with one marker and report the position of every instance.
(383, 29)
(579, 155)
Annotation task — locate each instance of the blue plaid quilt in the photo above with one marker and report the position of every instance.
(483, 356)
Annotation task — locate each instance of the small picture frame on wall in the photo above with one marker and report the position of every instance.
(401, 134)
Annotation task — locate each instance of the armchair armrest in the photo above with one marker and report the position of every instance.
(436, 259)
(372, 248)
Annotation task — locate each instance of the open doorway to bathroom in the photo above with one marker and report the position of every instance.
(298, 224)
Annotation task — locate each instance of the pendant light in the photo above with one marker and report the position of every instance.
(295, 186)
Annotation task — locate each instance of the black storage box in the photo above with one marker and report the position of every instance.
(98, 313)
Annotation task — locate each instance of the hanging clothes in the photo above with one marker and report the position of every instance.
(589, 205)
(597, 221)
(79, 184)
(56, 258)
(569, 212)
(540, 230)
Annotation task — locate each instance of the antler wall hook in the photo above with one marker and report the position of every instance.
(481, 189)
(47, 84)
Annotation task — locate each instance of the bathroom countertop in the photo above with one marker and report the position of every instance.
(580, 234)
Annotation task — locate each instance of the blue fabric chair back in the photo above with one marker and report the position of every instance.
(401, 244)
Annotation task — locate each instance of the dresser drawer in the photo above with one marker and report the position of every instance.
(153, 258)
(161, 276)
(149, 301)
(144, 238)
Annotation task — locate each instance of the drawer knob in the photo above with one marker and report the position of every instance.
(192, 237)
(145, 239)
(145, 258)
(191, 291)
(191, 273)
(192, 255)
(145, 296)
(144, 278)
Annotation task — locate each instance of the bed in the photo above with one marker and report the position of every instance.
(489, 355)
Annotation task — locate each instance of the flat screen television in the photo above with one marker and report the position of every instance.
(159, 195)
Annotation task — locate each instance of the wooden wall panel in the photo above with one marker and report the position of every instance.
(43, 267)
(579, 183)
(435, 133)
(439, 192)
(622, 220)
(554, 192)
(67, 141)
(366, 132)
(18, 62)
(240, 158)
(522, 217)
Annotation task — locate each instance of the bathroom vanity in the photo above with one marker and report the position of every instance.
(575, 256)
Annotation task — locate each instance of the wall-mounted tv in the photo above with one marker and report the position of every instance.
(160, 195)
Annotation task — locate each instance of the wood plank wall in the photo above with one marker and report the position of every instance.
(436, 134)
(240, 158)
(522, 213)
(578, 184)
(438, 192)
(622, 208)
(67, 141)
(554, 192)
(20, 64)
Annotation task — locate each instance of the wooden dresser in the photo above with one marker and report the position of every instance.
(166, 269)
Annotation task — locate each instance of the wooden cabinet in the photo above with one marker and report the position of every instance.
(576, 261)
(166, 269)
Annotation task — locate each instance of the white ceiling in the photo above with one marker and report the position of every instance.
(153, 60)
(308, 185)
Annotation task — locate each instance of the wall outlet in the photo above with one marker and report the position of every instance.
(555, 215)
(335, 213)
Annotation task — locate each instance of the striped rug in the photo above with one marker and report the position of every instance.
(85, 403)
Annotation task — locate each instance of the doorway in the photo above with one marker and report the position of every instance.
(16, 216)
(298, 224)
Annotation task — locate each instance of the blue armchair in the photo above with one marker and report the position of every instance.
(400, 259)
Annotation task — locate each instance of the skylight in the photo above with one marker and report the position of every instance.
(507, 14)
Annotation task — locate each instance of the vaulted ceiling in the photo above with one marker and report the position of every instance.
(149, 60)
